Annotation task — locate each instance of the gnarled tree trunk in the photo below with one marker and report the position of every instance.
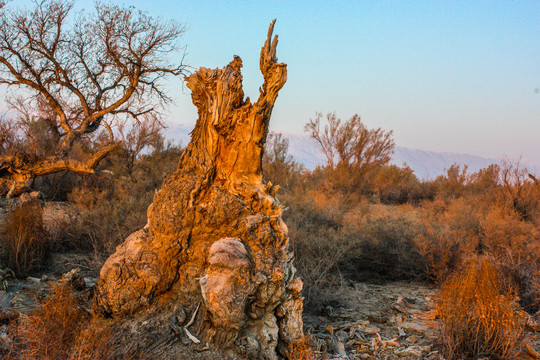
(215, 234)
(17, 172)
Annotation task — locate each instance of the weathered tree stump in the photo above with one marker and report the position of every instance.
(215, 234)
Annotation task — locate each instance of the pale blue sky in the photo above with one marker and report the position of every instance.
(456, 76)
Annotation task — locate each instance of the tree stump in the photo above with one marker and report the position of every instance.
(215, 235)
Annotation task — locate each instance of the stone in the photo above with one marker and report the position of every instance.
(412, 351)
(74, 278)
(413, 339)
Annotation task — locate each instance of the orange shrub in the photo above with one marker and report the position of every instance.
(477, 312)
(301, 350)
(456, 229)
(59, 329)
(50, 331)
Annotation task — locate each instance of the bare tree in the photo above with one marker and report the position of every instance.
(520, 188)
(137, 137)
(351, 142)
(81, 73)
(278, 166)
(350, 146)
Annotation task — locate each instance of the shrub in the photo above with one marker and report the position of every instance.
(51, 329)
(332, 241)
(301, 350)
(395, 185)
(385, 243)
(59, 329)
(94, 342)
(318, 242)
(456, 229)
(477, 313)
(24, 239)
(278, 166)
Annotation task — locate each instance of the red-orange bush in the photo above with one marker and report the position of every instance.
(301, 350)
(58, 329)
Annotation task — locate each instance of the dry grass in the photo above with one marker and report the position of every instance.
(58, 329)
(50, 331)
(301, 350)
(24, 239)
(95, 341)
(477, 312)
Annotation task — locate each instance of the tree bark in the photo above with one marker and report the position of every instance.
(17, 172)
(214, 234)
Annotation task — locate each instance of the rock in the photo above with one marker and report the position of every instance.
(180, 315)
(5, 274)
(531, 323)
(34, 280)
(215, 235)
(413, 351)
(414, 326)
(378, 318)
(5, 301)
(74, 278)
(413, 339)
(372, 330)
(340, 348)
(90, 282)
(32, 196)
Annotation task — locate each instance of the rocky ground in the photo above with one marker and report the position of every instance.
(393, 320)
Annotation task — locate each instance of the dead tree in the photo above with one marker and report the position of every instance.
(214, 235)
(80, 75)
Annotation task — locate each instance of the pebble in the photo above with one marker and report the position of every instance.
(413, 339)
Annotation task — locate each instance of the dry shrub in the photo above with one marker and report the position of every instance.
(50, 331)
(105, 218)
(396, 185)
(112, 206)
(318, 242)
(452, 230)
(384, 243)
(24, 239)
(456, 229)
(301, 350)
(95, 341)
(59, 329)
(477, 312)
(333, 241)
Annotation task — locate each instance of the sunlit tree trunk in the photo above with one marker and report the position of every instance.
(215, 236)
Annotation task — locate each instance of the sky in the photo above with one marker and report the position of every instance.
(451, 76)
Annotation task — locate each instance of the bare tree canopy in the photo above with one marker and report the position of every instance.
(351, 143)
(82, 72)
(351, 150)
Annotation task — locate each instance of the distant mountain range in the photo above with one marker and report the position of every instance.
(425, 164)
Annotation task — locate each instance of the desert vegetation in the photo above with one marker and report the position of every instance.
(475, 235)
(87, 153)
